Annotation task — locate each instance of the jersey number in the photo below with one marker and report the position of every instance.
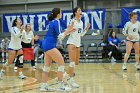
(79, 30)
(134, 30)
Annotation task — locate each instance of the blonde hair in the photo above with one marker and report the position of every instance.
(26, 26)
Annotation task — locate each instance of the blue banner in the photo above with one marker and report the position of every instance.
(125, 14)
(39, 21)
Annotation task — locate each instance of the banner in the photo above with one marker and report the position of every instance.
(39, 21)
(125, 14)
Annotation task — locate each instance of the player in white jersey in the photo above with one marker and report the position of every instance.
(74, 42)
(131, 31)
(27, 42)
(15, 47)
(4, 48)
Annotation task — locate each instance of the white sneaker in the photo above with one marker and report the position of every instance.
(113, 59)
(35, 63)
(15, 69)
(1, 74)
(124, 67)
(34, 68)
(109, 54)
(41, 56)
(64, 88)
(21, 76)
(73, 83)
(137, 66)
(45, 88)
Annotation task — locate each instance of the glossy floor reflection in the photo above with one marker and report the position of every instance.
(93, 78)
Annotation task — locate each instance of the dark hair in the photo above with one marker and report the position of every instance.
(54, 14)
(14, 22)
(132, 14)
(75, 10)
(110, 34)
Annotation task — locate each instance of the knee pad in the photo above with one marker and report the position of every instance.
(20, 58)
(72, 64)
(61, 68)
(126, 55)
(136, 55)
(20, 65)
(46, 68)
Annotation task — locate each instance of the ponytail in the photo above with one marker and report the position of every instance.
(54, 14)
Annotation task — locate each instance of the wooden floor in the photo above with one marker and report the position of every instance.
(92, 77)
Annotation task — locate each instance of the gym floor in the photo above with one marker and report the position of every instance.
(92, 77)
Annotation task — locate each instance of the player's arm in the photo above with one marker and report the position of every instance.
(60, 35)
(86, 29)
(17, 32)
(125, 29)
(32, 42)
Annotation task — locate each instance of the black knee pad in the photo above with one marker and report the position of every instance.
(20, 60)
(20, 65)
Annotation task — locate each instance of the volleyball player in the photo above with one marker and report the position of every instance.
(15, 48)
(51, 53)
(131, 31)
(74, 42)
(27, 42)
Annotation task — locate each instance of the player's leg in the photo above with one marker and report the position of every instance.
(20, 63)
(74, 55)
(57, 57)
(11, 56)
(46, 69)
(137, 49)
(129, 46)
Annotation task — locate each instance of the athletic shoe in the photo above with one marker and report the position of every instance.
(73, 83)
(45, 88)
(124, 67)
(137, 66)
(34, 68)
(64, 87)
(21, 76)
(1, 74)
(113, 59)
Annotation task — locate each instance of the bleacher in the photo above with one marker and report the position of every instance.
(91, 46)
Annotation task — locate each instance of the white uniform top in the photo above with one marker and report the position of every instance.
(75, 37)
(16, 37)
(133, 30)
(4, 45)
(27, 37)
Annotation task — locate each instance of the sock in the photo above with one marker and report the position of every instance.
(124, 63)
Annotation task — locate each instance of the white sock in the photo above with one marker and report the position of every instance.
(124, 63)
